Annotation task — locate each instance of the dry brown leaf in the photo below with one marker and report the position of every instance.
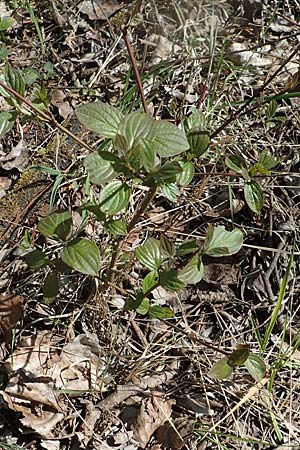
(99, 9)
(18, 157)
(154, 412)
(11, 309)
(59, 100)
(39, 391)
(174, 436)
(31, 354)
(43, 423)
(221, 273)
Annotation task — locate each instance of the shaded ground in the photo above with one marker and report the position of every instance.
(81, 372)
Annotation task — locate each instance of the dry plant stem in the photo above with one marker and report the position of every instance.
(135, 69)
(47, 116)
(242, 110)
(194, 338)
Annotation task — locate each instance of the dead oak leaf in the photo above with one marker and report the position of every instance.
(154, 412)
(11, 310)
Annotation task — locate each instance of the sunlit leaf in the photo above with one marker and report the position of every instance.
(220, 242)
(192, 273)
(57, 225)
(195, 120)
(199, 141)
(221, 369)
(144, 306)
(170, 281)
(254, 196)
(15, 80)
(100, 118)
(160, 312)
(147, 155)
(7, 119)
(187, 173)
(136, 127)
(114, 197)
(167, 246)
(237, 164)
(167, 173)
(169, 140)
(150, 281)
(149, 254)
(255, 366)
(239, 356)
(116, 227)
(6, 23)
(187, 247)
(100, 171)
(170, 191)
(82, 255)
(268, 161)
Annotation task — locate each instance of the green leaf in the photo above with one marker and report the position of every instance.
(192, 273)
(95, 209)
(169, 140)
(51, 286)
(238, 165)
(195, 120)
(167, 173)
(167, 247)
(170, 281)
(114, 197)
(7, 119)
(170, 191)
(15, 80)
(100, 118)
(57, 225)
(3, 52)
(100, 171)
(199, 141)
(82, 255)
(160, 312)
(187, 174)
(239, 356)
(147, 155)
(272, 108)
(149, 254)
(220, 242)
(36, 259)
(187, 247)
(132, 304)
(6, 23)
(135, 128)
(150, 281)
(268, 161)
(254, 196)
(221, 369)
(144, 306)
(116, 227)
(255, 366)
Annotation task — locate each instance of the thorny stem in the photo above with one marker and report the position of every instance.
(242, 110)
(46, 115)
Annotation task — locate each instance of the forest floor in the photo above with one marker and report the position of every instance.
(78, 369)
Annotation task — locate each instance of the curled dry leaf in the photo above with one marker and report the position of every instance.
(154, 412)
(11, 309)
(99, 9)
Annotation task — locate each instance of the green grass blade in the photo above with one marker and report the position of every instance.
(278, 305)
